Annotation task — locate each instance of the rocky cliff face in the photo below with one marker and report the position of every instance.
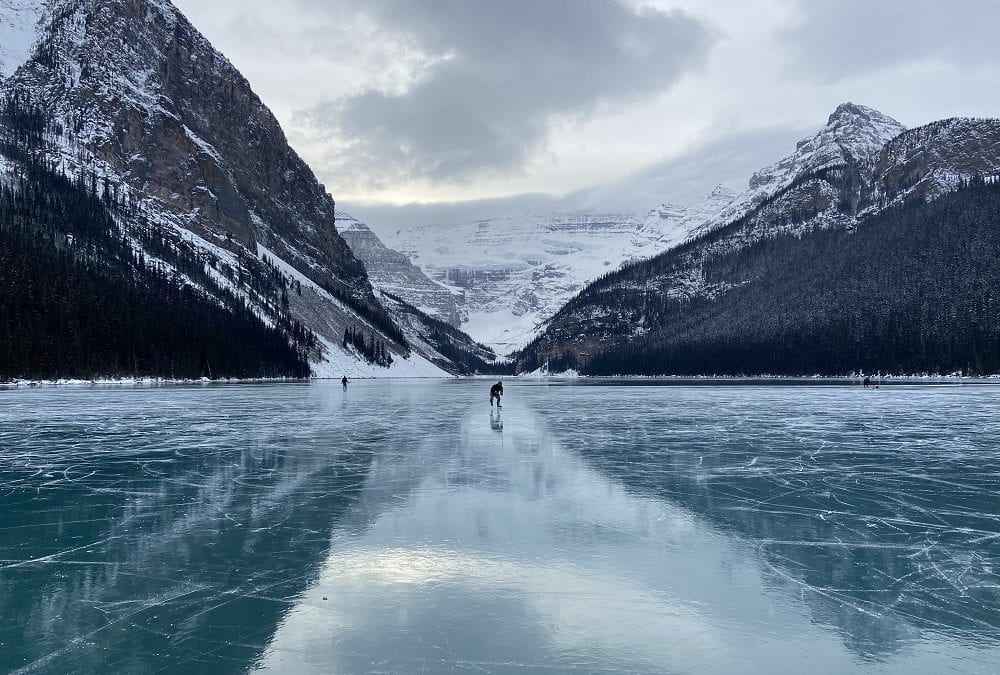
(930, 160)
(137, 86)
(139, 99)
(392, 272)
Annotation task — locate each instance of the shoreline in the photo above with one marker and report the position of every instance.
(593, 380)
(766, 379)
(22, 383)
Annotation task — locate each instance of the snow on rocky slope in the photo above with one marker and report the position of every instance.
(19, 21)
(677, 224)
(930, 160)
(392, 272)
(512, 272)
(140, 99)
(516, 271)
(854, 135)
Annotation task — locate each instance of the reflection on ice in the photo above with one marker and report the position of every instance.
(496, 420)
(883, 516)
(304, 529)
(137, 539)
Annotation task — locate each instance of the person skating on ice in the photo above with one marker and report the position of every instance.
(496, 391)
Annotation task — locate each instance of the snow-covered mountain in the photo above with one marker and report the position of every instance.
(677, 224)
(857, 165)
(516, 271)
(134, 96)
(853, 136)
(931, 160)
(510, 273)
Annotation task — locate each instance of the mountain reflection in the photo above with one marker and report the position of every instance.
(160, 548)
(884, 525)
(396, 528)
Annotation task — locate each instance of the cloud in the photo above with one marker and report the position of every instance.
(492, 79)
(568, 94)
(685, 180)
(726, 159)
(839, 39)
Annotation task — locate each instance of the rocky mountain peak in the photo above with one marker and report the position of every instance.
(853, 134)
(148, 98)
(858, 115)
(137, 98)
(934, 159)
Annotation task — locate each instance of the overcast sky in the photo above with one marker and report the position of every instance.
(404, 101)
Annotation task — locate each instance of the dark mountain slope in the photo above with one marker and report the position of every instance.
(446, 346)
(848, 173)
(78, 300)
(135, 98)
(912, 289)
(134, 83)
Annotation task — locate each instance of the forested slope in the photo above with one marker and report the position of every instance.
(911, 289)
(90, 288)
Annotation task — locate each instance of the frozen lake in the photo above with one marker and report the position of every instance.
(398, 528)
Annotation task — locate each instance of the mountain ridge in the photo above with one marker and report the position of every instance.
(825, 184)
(139, 102)
(517, 271)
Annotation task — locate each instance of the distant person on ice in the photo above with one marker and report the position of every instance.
(496, 391)
(343, 381)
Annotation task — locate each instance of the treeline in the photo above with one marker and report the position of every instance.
(466, 360)
(373, 350)
(374, 314)
(79, 297)
(912, 289)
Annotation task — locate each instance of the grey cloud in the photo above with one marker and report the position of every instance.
(686, 179)
(384, 217)
(727, 159)
(838, 39)
(506, 70)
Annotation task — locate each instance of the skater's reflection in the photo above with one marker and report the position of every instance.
(496, 421)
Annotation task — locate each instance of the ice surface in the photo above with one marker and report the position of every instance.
(402, 527)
